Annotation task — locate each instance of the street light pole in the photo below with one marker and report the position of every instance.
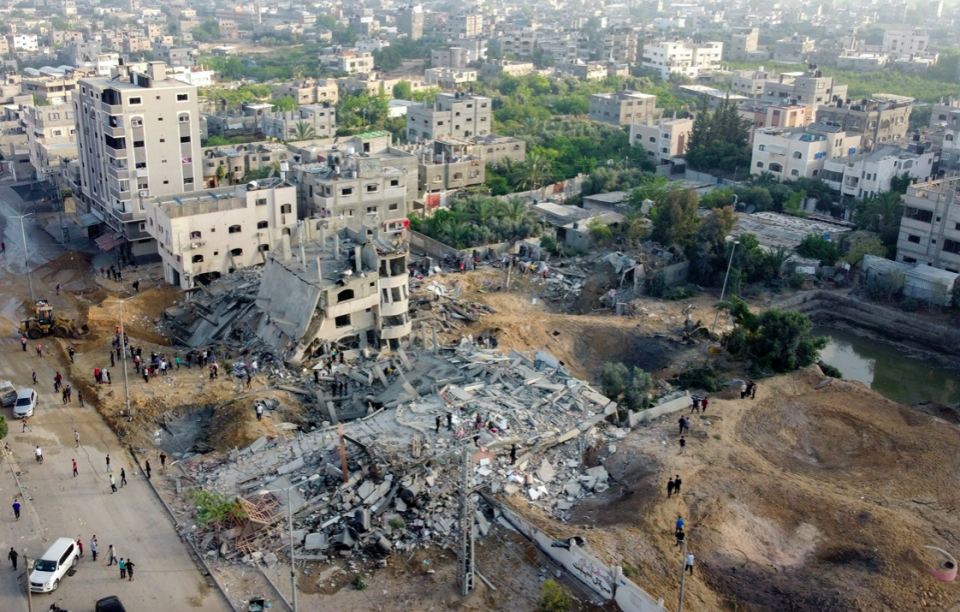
(683, 573)
(723, 290)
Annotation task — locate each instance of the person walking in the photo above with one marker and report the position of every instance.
(449, 421)
(259, 412)
(123, 568)
(25, 426)
(689, 564)
(58, 288)
(743, 390)
(683, 444)
(147, 469)
(680, 537)
(111, 555)
(679, 525)
(703, 405)
(40, 350)
(111, 359)
(71, 351)
(93, 548)
(123, 477)
(670, 487)
(163, 461)
(108, 463)
(13, 556)
(676, 484)
(23, 343)
(249, 379)
(438, 421)
(682, 422)
(39, 455)
(64, 396)
(16, 509)
(34, 377)
(76, 437)
(57, 382)
(75, 471)
(113, 485)
(80, 397)
(130, 566)
(80, 546)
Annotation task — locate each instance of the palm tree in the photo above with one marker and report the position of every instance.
(481, 211)
(515, 211)
(535, 172)
(764, 179)
(304, 131)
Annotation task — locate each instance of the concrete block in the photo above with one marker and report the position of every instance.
(546, 473)
(572, 489)
(347, 538)
(294, 465)
(362, 520)
(257, 444)
(366, 489)
(315, 541)
(409, 389)
(570, 435)
(298, 535)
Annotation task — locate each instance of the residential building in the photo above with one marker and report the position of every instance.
(51, 86)
(664, 140)
(750, 83)
(712, 96)
(450, 165)
(308, 91)
(682, 58)
(520, 41)
(51, 136)
(792, 153)
(763, 114)
(906, 43)
(450, 57)
(809, 87)
(945, 121)
(857, 61)
(138, 136)
(305, 123)
(866, 174)
(173, 56)
(238, 161)
(618, 44)
(203, 234)
(449, 78)
(795, 49)
(353, 295)
(454, 115)
(930, 226)
(466, 25)
(580, 69)
(228, 29)
(410, 22)
(884, 119)
(350, 62)
(495, 68)
(743, 44)
(622, 107)
(28, 43)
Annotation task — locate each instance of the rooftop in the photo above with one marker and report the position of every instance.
(220, 199)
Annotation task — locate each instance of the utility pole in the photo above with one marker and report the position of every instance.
(724, 289)
(683, 573)
(467, 566)
(123, 357)
(509, 270)
(26, 579)
(26, 260)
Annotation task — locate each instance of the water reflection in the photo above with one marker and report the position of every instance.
(888, 371)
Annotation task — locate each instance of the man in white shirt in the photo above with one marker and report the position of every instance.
(689, 566)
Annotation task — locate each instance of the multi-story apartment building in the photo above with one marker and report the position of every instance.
(884, 119)
(450, 57)
(809, 87)
(353, 294)
(793, 153)
(449, 78)
(743, 44)
(906, 43)
(449, 165)
(618, 44)
(664, 140)
(350, 62)
(138, 136)
(495, 68)
(49, 85)
(28, 43)
(306, 123)
(466, 25)
(202, 235)
(520, 41)
(864, 175)
(308, 91)
(51, 136)
(683, 58)
(930, 226)
(622, 107)
(945, 123)
(763, 114)
(750, 83)
(795, 49)
(453, 115)
(239, 160)
(410, 22)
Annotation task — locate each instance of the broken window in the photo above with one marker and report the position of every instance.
(342, 321)
(343, 296)
(197, 259)
(234, 229)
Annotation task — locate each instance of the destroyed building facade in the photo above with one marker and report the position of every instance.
(349, 290)
(201, 236)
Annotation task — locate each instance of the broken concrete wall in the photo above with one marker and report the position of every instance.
(288, 302)
(655, 412)
(425, 244)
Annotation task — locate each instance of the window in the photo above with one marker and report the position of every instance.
(286, 209)
(261, 224)
(654, 139)
(236, 252)
(346, 191)
(951, 246)
(197, 259)
(909, 260)
(261, 201)
(918, 214)
(371, 210)
(794, 172)
(188, 180)
(194, 235)
(759, 164)
(137, 143)
(182, 97)
(184, 118)
(762, 148)
(372, 188)
(58, 132)
(394, 182)
(263, 248)
(775, 167)
(134, 100)
(393, 206)
(343, 296)
(797, 155)
(184, 139)
(342, 321)
(233, 229)
(457, 176)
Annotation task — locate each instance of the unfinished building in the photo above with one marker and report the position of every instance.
(348, 290)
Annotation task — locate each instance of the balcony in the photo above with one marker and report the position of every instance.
(111, 109)
(395, 332)
(121, 174)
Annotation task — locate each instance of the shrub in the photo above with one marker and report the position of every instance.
(829, 370)
(700, 378)
(658, 285)
(555, 598)
(214, 508)
(358, 583)
(3, 427)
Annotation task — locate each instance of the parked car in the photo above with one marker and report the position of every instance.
(8, 394)
(50, 568)
(110, 604)
(26, 402)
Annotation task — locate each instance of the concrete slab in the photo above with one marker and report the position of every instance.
(294, 465)
(315, 541)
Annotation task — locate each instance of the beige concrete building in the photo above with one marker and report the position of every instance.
(51, 136)
(308, 91)
(795, 49)
(410, 22)
(495, 68)
(618, 44)
(930, 226)
(239, 160)
(622, 107)
(664, 140)
(793, 153)
(450, 57)
(306, 123)
(743, 43)
(449, 78)
(138, 137)
(456, 115)
(202, 235)
(884, 119)
(50, 85)
(771, 115)
(809, 87)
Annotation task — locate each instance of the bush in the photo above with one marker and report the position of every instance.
(3, 428)
(358, 583)
(909, 304)
(214, 508)
(700, 378)
(397, 523)
(555, 598)
(829, 370)
(818, 247)
(629, 387)
(658, 285)
(777, 340)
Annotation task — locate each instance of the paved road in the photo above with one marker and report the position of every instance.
(59, 505)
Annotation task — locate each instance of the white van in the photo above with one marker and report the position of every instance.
(49, 569)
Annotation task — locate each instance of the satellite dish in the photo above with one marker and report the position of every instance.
(751, 209)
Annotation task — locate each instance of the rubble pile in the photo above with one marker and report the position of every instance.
(223, 312)
(521, 422)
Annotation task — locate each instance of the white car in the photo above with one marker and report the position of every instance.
(26, 402)
(49, 569)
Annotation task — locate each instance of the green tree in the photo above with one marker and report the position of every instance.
(881, 214)
(402, 91)
(388, 59)
(776, 340)
(600, 231)
(286, 103)
(818, 247)
(304, 131)
(221, 173)
(535, 172)
(555, 598)
(900, 182)
(864, 245)
(215, 509)
(675, 219)
(654, 187)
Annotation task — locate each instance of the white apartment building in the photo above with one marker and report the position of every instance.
(51, 135)
(664, 139)
(452, 115)
(800, 152)
(906, 43)
(23, 42)
(203, 235)
(138, 137)
(930, 226)
(448, 78)
(864, 175)
(684, 58)
(308, 91)
(945, 119)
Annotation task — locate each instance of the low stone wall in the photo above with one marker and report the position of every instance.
(655, 412)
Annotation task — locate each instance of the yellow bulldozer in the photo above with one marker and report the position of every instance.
(45, 323)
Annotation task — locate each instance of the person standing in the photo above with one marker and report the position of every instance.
(111, 555)
(93, 548)
(438, 421)
(682, 422)
(670, 487)
(676, 484)
(123, 569)
(130, 566)
(704, 404)
(23, 343)
(75, 471)
(16, 509)
(76, 437)
(680, 523)
(34, 377)
(71, 351)
(680, 538)
(147, 469)
(39, 455)
(163, 461)
(743, 390)
(113, 485)
(259, 411)
(80, 397)
(40, 350)
(13, 556)
(25, 426)
(753, 395)
(689, 564)
(683, 444)
(108, 463)
(111, 359)
(80, 546)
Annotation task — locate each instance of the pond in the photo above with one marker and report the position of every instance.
(890, 372)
